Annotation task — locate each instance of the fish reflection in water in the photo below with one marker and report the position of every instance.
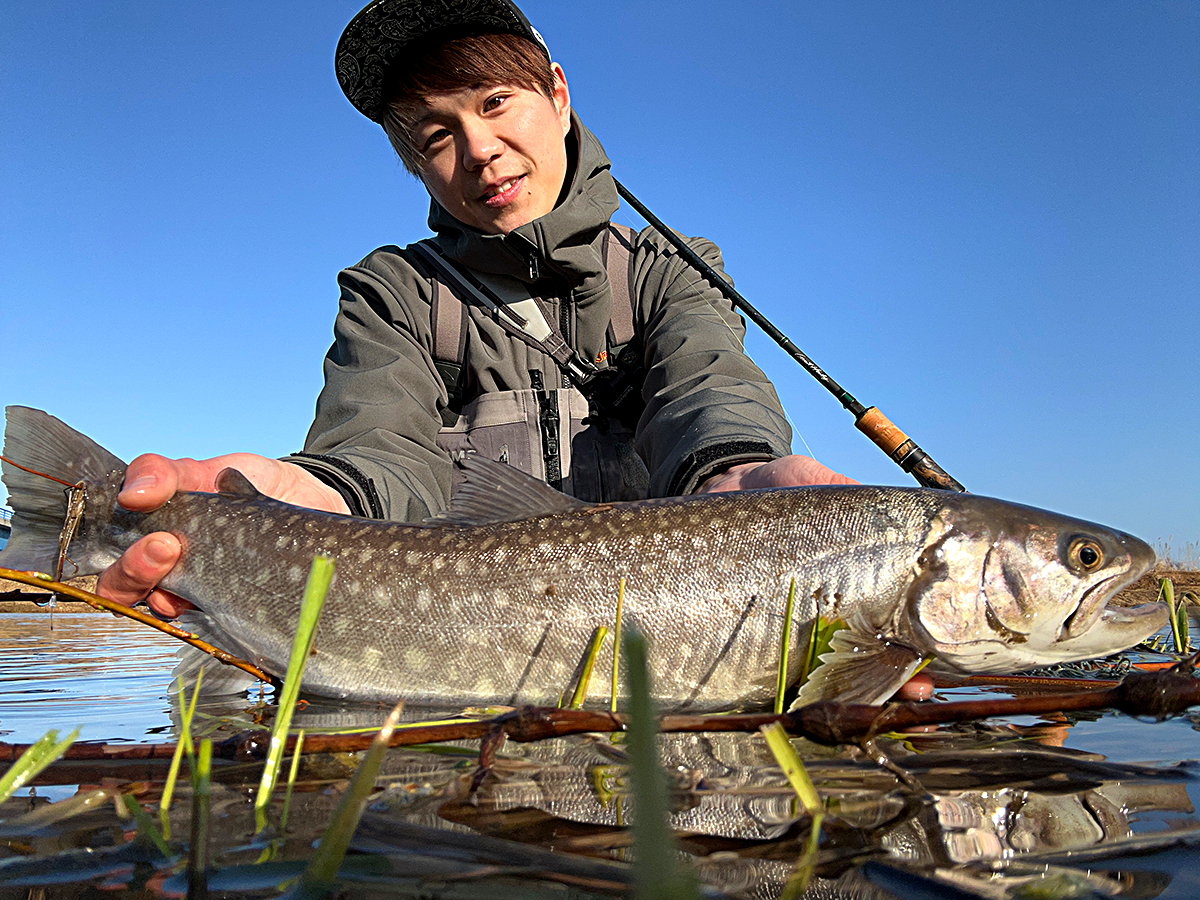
(994, 803)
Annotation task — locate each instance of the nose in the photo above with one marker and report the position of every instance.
(480, 145)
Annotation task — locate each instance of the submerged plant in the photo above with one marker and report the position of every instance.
(320, 873)
(40, 754)
(657, 869)
(320, 575)
(785, 646)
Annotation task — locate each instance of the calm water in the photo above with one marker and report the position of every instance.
(1049, 800)
(107, 674)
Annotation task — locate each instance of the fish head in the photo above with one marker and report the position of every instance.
(1000, 587)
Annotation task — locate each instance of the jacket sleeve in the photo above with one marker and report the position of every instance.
(708, 406)
(374, 435)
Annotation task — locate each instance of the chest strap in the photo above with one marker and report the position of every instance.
(449, 321)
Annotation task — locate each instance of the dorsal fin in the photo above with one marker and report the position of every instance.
(494, 492)
(234, 483)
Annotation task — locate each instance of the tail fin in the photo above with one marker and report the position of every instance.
(41, 442)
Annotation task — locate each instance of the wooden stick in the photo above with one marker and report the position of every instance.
(1152, 694)
(39, 580)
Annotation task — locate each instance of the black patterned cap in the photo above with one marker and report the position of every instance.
(381, 31)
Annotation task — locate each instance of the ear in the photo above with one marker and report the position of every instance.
(561, 97)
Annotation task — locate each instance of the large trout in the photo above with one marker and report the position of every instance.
(496, 600)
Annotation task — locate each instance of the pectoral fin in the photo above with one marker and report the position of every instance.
(859, 669)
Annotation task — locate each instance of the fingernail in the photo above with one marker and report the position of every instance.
(140, 484)
(160, 551)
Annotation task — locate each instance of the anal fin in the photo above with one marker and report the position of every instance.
(859, 669)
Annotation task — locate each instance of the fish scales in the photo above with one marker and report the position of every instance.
(502, 611)
(462, 609)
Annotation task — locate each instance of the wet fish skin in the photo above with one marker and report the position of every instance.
(501, 612)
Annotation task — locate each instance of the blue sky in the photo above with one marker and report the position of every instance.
(983, 218)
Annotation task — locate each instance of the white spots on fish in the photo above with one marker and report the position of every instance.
(371, 657)
(266, 525)
(437, 563)
(282, 542)
(415, 659)
(340, 625)
(218, 556)
(411, 558)
(364, 556)
(260, 615)
(295, 573)
(353, 588)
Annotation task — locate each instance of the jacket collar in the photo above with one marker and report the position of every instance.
(561, 240)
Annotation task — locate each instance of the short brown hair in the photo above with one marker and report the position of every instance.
(464, 63)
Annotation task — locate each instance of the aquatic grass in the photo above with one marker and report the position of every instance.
(1177, 610)
(185, 744)
(589, 663)
(785, 645)
(39, 754)
(291, 782)
(612, 698)
(197, 865)
(657, 870)
(146, 828)
(320, 875)
(320, 576)
(810, 801)
(793, 767)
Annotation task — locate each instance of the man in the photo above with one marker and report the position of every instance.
(520, 199)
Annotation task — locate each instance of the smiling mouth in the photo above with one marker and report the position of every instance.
(503, 193)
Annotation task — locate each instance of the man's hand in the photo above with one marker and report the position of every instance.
(152, 480)
(787, 471)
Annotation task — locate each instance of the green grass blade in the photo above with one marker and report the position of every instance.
(320, 575)
(612, 702)
(793, 767)
(797, 883)
(145, 825)
(40, 754)
(197, 867)
(657, 870)
(320, 873)
(785, 645)
(291, 782)
(187, 712)
(585, 677)
(1178, 614)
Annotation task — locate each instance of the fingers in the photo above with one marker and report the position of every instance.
(136, 574)
(919, 687)
(150, 481)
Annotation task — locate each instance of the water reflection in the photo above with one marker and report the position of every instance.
(108, 674)
(997, 810)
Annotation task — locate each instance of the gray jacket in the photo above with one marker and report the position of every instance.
(379, 435)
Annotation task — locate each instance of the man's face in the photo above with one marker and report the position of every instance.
(495, 157)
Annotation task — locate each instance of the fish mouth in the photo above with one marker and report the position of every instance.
(1093, 604)
(1115, 628)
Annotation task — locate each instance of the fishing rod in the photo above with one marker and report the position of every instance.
(902, 449)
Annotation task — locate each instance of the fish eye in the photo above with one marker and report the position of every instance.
(1085, 555)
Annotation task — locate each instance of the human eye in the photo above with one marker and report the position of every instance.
(435, 137)
(495, 100)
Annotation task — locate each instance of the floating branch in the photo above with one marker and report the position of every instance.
(1145, 694)
(39, 580)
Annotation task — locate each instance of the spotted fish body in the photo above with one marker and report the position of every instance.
(502, 609)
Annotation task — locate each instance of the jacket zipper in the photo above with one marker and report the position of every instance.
(548, 419)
